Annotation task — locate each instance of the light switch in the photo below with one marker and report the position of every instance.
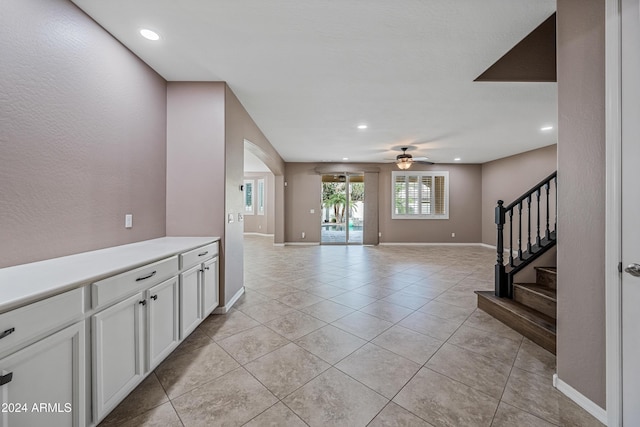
(230, 218)
(128, 221)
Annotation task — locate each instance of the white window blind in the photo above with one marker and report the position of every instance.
(420, 195)
(248, 197)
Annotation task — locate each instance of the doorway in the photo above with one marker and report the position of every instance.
(342, 219)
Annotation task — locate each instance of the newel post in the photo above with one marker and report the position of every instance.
(500, 274)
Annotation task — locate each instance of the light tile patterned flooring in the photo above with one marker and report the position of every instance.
(355, 336)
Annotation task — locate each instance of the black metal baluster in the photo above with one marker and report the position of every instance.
(511, 237)
(538, 219)
(520, 231)
(547, 233)
(529, 224)
(555, 224)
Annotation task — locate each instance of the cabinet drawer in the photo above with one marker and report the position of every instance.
(37, 319)
(191, 258)
(125, 284)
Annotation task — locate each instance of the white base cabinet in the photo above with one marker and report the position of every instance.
(162, 322)
(209, 287)
(117, 353)
(44, 384)
(190, 310)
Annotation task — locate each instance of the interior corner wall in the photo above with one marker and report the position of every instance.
(82, 136)
(303, 192)
(508, 178)
(581, 193)
(239, 126)
(195, 160)
(371, 196)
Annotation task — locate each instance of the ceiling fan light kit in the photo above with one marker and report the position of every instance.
(404, 163)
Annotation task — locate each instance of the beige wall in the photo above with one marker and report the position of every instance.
(195, 159)
(264, 223)
(82, 136)
(581, 195)
(508, 178)
(465, 197)
(303, 192)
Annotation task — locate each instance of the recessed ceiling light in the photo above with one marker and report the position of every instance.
(345, 158)
(362, 126)
(546, 128)
(457, 159)
(149, 35)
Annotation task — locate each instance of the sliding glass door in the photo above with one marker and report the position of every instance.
(342, 209)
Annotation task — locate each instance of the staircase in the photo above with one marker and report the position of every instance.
(531, 312)
(529, 308)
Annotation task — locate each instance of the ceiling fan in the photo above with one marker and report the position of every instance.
(405, 160)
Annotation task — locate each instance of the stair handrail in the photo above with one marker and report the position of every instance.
(504, 278)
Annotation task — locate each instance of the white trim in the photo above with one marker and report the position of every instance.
(419, 174)
(580, 399)
(429, 244)
(251, 233)
(279, 244)
(506, 251)
(225, 308)
(613, 211)
(301, 243)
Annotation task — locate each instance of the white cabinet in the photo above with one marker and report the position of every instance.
(117, 352)
(209, 286)
(162, 321)
(198, 293)
(130, 339)
(190, 307)
(44, 384)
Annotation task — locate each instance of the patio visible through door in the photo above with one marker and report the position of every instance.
(342, 219)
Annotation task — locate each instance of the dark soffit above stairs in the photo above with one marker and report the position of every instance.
(533, 59)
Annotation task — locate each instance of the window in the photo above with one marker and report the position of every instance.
(420, 195)
(260, 194)
(248, 197)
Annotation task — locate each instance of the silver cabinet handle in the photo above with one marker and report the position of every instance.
(633, 269)
(203, 253)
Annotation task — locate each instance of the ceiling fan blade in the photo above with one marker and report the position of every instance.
(424, 162)
(421, 159)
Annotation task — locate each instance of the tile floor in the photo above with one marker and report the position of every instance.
(355, 336)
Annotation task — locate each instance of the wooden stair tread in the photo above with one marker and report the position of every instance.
(550, 270)
(520, 310)
(541, 290)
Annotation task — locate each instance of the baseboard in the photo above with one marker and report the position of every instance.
(506, 251)
(427, 244)
(302, 243)
(580, 399)
(225, 308)
(279, 244)
(251, 233)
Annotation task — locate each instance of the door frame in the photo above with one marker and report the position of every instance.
(347, 211)
(613, 211)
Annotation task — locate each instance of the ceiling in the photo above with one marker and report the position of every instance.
(309, 72)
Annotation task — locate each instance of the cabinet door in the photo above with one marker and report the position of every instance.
(162, 315)
(45, 382)
(209, 286)
(190, 312)
(117, 353)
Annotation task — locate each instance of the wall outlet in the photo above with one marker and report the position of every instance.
(453, 234)
(240, 217)
(379, 234)
(312, 211)
(259, 227)
(128, 221)
(303, 235)
(230, 218)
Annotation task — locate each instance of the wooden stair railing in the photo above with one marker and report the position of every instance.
(536, 245)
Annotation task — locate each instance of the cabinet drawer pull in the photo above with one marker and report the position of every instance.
(5, 379)
(154, 297)
(7, 332)
(146, 277)
(143, 302)
(203, 253)
(206, 268)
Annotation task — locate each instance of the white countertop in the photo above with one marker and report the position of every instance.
(27, 283)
